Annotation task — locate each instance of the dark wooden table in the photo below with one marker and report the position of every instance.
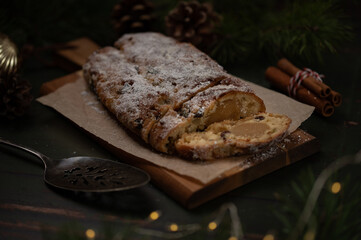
(29, 209)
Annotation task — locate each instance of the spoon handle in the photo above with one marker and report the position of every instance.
(44, 158)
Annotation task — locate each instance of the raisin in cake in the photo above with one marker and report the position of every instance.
(161, 89)
(232, 138)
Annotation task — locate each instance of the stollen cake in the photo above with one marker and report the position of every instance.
(161, 89)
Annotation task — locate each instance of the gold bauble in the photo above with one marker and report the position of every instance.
(8, 56)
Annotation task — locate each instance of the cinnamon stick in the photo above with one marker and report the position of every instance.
(281, 80)
(319, 88)
(335, 98)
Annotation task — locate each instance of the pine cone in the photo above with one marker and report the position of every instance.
(193, 22)
(132, 16)
(15, 97)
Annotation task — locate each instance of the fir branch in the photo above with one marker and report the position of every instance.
(298, 30)
(334, 216)
(233, 44)
(305, 30)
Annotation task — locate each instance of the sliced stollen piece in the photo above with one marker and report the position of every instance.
(232, 138)
(230, 99)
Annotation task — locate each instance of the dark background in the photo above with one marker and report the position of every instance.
(31, 210)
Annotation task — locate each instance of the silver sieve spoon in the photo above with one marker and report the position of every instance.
(88, 174)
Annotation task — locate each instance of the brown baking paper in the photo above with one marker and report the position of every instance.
(76, 102)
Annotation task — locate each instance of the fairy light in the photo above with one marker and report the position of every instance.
(154, 215)
(317, 188)
(268, 237)
(336, 187)
(175, 231)
(173, 227)
(212, 226)
(310, 235)
(90, 233)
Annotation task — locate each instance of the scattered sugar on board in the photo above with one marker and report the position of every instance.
(286, 140)
(263, 155)
(91, 101)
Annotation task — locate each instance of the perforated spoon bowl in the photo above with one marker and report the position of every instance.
(88, 174)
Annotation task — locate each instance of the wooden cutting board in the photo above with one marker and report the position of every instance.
(187, 191)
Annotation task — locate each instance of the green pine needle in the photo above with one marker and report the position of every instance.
(335, 215)
(302, 30)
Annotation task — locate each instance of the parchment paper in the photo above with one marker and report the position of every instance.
(76, 102)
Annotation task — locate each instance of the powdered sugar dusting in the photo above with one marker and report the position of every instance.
(93, 103)
(169, 121)
(178, 67)
(204, 99)
(263, 155)
(126, 93)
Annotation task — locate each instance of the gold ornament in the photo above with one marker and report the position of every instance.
(8, 56)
